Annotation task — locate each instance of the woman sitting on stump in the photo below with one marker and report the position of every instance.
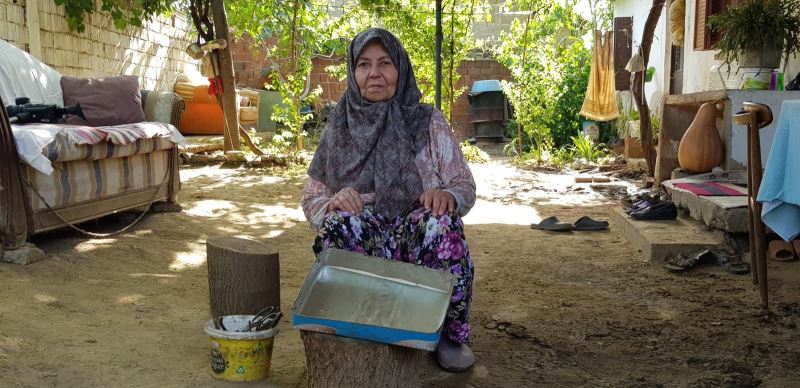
(389, 180)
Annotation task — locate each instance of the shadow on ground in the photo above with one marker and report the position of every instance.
(549, 309)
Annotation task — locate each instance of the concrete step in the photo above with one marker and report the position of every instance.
(658, 240)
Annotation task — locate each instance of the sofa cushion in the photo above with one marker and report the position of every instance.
(105, 101)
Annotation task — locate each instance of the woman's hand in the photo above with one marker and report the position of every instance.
(439, 202)
(346, 199)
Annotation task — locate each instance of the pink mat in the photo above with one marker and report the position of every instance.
(709, 189)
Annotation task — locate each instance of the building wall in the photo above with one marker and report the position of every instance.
(698, 63)
(154, 53)
(638, 9)
(489, 29)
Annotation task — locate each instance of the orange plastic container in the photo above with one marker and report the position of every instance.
(202, 116)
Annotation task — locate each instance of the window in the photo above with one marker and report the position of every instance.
(704, 39)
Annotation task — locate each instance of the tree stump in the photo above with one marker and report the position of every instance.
(333, 361)
(243, 276)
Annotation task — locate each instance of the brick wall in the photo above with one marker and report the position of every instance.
(248, 64)
(154, 53)
(470, 71)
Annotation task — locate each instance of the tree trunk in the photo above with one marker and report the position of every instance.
(243, 276)
(333, 361)
(225, 61)
(645, 130)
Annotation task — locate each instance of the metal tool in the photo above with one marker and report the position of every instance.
(264, 320)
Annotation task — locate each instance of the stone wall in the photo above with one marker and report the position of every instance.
(154, 53)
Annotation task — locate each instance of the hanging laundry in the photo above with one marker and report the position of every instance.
(600, 103)
(780, 188)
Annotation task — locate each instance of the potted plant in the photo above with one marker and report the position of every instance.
(758, 33)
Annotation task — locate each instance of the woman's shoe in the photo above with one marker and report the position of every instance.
(662, 211)
(453, 356)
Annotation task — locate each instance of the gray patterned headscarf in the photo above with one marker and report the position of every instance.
(371, 146)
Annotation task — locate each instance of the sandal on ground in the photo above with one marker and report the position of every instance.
(552, 224)
(730, 264)
(454, 357)
(587, 223)
(780, 250)
(681, 262)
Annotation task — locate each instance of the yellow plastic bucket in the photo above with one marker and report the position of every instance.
(240, 356)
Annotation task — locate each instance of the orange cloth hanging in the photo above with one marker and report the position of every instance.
(600, 103)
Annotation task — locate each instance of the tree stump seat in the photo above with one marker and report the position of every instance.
(243, 276)
(334, 361)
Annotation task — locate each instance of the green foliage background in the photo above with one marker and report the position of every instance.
(546, 52)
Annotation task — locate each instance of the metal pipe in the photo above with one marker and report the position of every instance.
(438, 54)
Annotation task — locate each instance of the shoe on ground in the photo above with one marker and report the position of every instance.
(454, 357)
(552, 224)
(780, 250)
(662, 211)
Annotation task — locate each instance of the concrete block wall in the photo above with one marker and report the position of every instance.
(490, 30)
(154, 53)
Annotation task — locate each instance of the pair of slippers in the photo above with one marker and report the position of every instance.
(584, 223)
(682, 262)
(780, 250)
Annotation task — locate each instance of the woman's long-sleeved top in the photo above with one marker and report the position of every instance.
(441, 166)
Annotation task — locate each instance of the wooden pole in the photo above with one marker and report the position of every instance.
(243, 276)
(756, 116)
(333, 361)
(645, 129)
(225, 59)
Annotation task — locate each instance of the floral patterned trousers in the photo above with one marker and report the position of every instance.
(415, 237)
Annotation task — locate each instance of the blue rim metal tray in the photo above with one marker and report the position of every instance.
(373, 298)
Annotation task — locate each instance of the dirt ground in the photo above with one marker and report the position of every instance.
(574, 309)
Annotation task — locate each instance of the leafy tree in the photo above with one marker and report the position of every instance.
(295, 30)
(123, 13)
(413, 22)
(549, 64)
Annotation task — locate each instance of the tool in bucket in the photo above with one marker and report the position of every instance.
(265, 319)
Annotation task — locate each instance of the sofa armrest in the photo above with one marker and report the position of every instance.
(165, 107)
(15, 210)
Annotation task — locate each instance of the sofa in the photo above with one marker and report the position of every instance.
(83, 171)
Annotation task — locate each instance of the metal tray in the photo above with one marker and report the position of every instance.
(373, 298)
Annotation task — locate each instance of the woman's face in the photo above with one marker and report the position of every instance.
(375, 73)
